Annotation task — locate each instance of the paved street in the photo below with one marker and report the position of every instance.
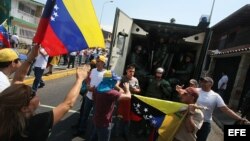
(55, 91)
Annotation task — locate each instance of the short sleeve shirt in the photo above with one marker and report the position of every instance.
(95, 79)
(210, 100)
(4, 81)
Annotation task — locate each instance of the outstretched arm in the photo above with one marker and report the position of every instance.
(23, 70)
(70, 99)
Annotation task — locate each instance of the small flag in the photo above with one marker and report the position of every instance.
(165, 116)
(67, 26)
(4, 35)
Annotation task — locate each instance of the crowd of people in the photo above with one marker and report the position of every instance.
(105, 94)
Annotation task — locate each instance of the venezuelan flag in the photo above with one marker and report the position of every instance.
(165, 116)
(4, 35)
(67, 26)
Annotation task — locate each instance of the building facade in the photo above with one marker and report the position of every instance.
(229, 52)
(24, 16)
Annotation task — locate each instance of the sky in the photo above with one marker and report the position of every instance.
(186, 12)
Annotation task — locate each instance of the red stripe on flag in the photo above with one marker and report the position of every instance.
(52, 44)
(134, 117)
(5, 41)
(41, 30)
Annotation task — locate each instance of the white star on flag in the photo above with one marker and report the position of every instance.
(154, 122)
(55, 7)
(52, 18)
(55, 14)
(138, 105)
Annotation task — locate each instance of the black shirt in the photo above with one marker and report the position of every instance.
(38, 128)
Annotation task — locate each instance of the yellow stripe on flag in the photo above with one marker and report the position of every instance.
(169, 126)
(83, 13)
(165, 106)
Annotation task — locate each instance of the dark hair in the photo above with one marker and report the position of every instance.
(12, 100)
(6, 64)
(130, 66)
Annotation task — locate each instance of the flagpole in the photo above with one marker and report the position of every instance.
(111, 1)
(211, 12)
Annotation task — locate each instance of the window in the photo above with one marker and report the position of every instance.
(26, 33)
(24, 8)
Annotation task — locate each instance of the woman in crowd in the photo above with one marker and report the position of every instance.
(18, 104)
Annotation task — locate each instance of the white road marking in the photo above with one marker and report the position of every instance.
(51, 107)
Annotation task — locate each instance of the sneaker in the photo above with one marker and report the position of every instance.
(41, 85)
(48, 73)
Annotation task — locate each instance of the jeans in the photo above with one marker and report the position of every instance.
(88, 105)
(203, 133)
(38, 72)
(103, 133)
(122, 128)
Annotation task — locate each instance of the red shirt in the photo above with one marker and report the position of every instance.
(104, 106)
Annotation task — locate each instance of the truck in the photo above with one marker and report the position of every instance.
(179, 39)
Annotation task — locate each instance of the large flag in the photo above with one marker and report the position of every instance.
(4, 35)
(67, 26)
(165, 116)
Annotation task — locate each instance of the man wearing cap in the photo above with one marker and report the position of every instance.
(194, 119)
(104, 98)
(9, 63)
(210, 99)
(96, 76)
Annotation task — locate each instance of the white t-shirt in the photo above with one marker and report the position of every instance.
(15, 39)
(4, 81)
(95, 79)
(41, 60)
(223, 80)
(210, 100)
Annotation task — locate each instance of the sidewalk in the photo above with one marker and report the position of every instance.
(58, 72)
(222, 119)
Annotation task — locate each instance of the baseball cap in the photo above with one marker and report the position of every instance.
(7, 55)
(102, 58)
(109, 81)
(207, 79)
(93, 61)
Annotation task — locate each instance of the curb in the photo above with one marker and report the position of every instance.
(56, 75)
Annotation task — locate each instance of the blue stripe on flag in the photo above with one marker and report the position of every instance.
(66, 29)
